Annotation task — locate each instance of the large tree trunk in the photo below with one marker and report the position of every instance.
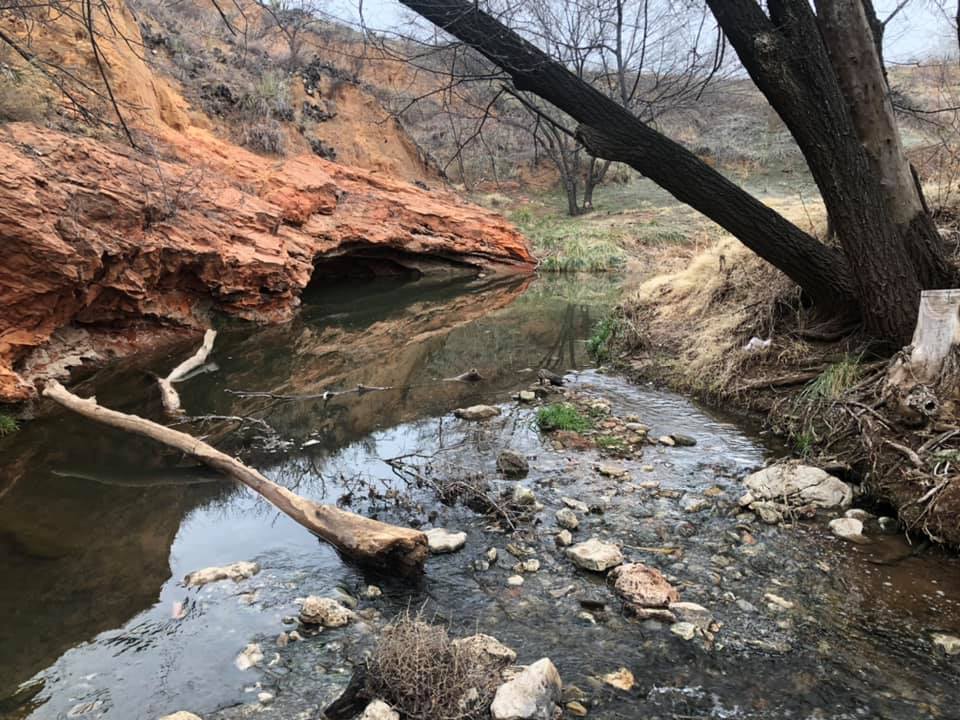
(611, 132)
(788, 61)
(368, 541)
(851, 39)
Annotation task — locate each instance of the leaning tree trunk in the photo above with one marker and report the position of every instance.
(788, 61)
(611, 132)
(851, 39)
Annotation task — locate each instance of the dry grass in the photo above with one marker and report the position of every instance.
(424, 675)
(694, 323)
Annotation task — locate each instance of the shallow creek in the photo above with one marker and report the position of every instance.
(98, 529)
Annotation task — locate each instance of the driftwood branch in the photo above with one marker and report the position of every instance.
(368, 541)
(169, 396)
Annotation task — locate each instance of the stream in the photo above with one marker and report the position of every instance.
(98, 529)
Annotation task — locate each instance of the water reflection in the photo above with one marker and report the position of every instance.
(88, 515)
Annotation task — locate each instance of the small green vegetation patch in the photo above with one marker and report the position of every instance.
(8, 425)
(598, 344)
(610, 442)
(562, 416)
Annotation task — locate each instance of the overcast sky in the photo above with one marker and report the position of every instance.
(918, 32)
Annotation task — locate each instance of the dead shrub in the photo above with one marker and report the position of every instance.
(424, 675)
(265, 137)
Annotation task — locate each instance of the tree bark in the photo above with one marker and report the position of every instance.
(611, 132)
(850, 37)
(788, 61)
(367, 541)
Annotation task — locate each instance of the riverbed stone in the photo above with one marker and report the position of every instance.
(325, 612)
(575, 504)
(666, 440)
(612, 471)
(683, 440)
(848, 529)
(489, 648)
(512, 464)
(526, 396)
(693, 503)
(621, 679)
(693, 613)
(477, 412)
(949, 643)
(595, 555)
(181, 715)
(234, 571)
(564, 538)
(795, 484)
(641, 586)
(684, 630)
(379, 710)
(441, 540)
(524, 496)
(567, 519)
(251, 656)
(533, 694)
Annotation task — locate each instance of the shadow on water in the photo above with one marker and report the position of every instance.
(95, 523)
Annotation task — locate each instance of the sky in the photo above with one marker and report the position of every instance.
(916, 33)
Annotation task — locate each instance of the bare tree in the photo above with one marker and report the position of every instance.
(294, 20)
(799, 60)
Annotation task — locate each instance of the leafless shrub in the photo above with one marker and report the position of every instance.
(426, 676)
(265, 137)
(165, 195)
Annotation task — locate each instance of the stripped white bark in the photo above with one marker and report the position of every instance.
(168, 396)
(923, 380)
(368, 541)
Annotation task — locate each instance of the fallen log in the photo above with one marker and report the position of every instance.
(168, 396)
(367, 541)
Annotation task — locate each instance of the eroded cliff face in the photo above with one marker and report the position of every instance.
(96, 236)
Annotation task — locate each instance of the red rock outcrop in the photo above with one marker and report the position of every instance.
(97, 236)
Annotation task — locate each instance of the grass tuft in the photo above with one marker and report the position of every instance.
(562, 416)
(8, 425)
(598, 344)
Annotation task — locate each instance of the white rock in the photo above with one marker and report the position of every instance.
(523, 495)
(693, 503)
(799, 485)
(527, 396)
(531, 695)
(778, 601)
(264, 698)
(379, 710)
(251, 656)
(235, 571)
(575, 504)
(530, 566)
(489, 647)
(859, 514)
(181, 715)
(476, 412)
(324, 611)
(567, 519)
(949, 643)
(595, 555)
(491, 555)
(666, 440)
(442, 540)
(564, 538)
(849, 529)
(685, 630)
(692, 613)
(371, 592)
(515, 580)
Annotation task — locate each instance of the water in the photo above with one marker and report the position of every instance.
(97, 530)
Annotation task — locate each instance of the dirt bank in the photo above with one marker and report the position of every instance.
(732, 330)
